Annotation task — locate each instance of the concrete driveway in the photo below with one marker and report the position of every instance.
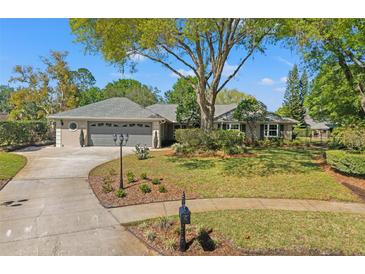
(49, 208)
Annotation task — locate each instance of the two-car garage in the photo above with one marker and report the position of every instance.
(101, 133)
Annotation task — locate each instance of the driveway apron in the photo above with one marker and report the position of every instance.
(49, 208)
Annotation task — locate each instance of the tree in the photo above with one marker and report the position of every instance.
(332, 98)
(334, 42)
(230, 96)
(201, 46)
(90, 96)
(133, 90)
(40, 93)
(183, 94)
(32, 98)
(296, 89)
(5, 93)
(251, 111)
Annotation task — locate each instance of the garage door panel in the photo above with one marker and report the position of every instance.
(101, 133)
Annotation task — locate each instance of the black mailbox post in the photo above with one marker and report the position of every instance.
(184, 214)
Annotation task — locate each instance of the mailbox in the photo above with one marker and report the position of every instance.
(184, 214)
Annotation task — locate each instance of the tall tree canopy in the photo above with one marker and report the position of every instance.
(295, 92)
(39, 93)
(132, 89)
(332, 98)
(5, 93)
(334, 42)
(184, 96)
(230, 96)
(201, 46)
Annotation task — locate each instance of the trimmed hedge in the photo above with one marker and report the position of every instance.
(23, 132)
(195, 139)
(347, 162)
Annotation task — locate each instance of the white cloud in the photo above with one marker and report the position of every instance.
(228, 69)
(183, 72)
(279, 89)
(283, 79)
(137, 58)
(267, 82)
(284, 61)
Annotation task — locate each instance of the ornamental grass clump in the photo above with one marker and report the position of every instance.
(107, 184)
(156, 181)
(120, 193)
(162, 189)
(130, 177)
(142, 152)
(143, 175)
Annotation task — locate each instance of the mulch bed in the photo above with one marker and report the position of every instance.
(3, 183)
(134, 194)
(355, 184)
(166, 240)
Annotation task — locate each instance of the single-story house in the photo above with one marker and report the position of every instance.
(318, 129)
(100, 121)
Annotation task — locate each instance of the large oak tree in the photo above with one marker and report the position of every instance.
(200, 46)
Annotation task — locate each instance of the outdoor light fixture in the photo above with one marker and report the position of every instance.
(123, 139)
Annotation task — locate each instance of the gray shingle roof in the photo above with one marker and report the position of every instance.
(168, 111)
(113, 108)
(317, 125)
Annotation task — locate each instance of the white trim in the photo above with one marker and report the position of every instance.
(266, 131)
(70, 129)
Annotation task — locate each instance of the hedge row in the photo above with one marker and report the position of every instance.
(190, 140)
(347, 162)
(24, 132)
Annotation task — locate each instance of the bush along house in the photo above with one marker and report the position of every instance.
(152, 126)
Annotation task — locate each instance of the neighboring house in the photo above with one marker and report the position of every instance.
(3, 116)
(99, 121)
(318, 129)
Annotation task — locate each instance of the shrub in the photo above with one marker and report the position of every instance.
(120, 193)
(164, 223)
(142, 152)
(24, 132)
(156, 181)
(130, 177)
(107, 184)
(145, 188)
(191, 140)
(162, 189)
(150, 235)
(170, 244)
(347, 162)
(143, 175)
(232, 150)
(352, 137)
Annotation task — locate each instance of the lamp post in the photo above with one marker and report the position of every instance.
(123, 139)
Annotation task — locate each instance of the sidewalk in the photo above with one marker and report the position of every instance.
(134, 213)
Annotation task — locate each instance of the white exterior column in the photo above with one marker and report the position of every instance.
(156, 130)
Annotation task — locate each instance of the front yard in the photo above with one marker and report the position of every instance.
(266, 173)
(240, 232)
(10, 164)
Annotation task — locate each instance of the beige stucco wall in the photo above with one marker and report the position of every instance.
(69, 137)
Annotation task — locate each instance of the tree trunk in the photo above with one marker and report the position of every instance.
(363, 103)
(206, 104)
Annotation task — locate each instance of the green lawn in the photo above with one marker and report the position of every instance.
(274, 173)
(10, 164)
(292, 232)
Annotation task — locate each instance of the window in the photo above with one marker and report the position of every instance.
(146, 125)
(72, 126)
(230, 126)
(271, 130)
(115, 125)
(108, 124)
(243, 128)
(132, 125)
(140, 125)
(125, 125)
(93, 125)
(100, 124)
(235, 126)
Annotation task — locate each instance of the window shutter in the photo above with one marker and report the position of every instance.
(261, 132)
(281, 131)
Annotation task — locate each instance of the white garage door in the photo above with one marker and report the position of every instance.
(101, 133)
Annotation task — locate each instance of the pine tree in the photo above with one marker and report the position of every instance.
(296, 89)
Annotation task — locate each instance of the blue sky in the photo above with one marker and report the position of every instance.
(23, 41)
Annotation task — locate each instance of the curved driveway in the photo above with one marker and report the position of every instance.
(49, 208)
